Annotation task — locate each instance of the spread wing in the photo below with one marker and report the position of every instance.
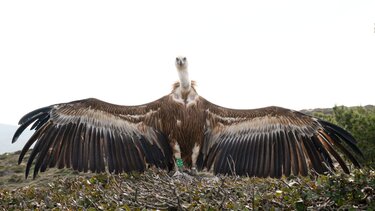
(95, 135)
(272, 142)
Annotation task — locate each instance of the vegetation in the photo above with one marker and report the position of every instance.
(360, 122)
(155, 189)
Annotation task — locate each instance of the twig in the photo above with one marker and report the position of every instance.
(225, 194)
(253, 200)
(178, 198)
(232, 165)
(223, 201)
(285, 183)
(136, 196)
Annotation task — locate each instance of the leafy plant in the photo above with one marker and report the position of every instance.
(155, 189)
(360, 122)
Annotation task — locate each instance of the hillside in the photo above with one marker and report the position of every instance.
(329, 111)
(6, 134)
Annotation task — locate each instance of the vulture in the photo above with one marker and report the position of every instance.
(183, 132)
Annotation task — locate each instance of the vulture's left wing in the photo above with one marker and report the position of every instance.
(94, 135)
(272, 141)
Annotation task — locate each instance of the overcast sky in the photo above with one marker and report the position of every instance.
(243, 54)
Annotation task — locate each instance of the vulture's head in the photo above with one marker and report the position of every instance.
(181, 63)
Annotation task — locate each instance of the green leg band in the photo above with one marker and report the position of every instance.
(179, 163)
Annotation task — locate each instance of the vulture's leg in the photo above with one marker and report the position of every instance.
(179, 164)
(194, 158)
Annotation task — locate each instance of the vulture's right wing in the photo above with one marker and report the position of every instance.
(95, 135)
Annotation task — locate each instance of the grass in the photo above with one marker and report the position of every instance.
(155, 189)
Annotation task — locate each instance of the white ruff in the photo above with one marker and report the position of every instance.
(190, 100)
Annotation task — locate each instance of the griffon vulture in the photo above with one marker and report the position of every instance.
(183, 131)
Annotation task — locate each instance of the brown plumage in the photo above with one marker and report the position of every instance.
(92, 135)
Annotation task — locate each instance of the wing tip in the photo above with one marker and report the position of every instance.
(344, 135)
(34, 113)
(29, 118)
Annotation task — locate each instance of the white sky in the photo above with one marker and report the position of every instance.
(243, 54)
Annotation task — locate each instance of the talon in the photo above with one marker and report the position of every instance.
(193, 171)
(177, 174)
(182, 176)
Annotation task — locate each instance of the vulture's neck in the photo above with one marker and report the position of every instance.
(185, 82)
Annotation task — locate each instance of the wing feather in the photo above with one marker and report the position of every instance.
(250, 152)
(63, 148)
(294, 146)
(272, 142)
(41, 149)
(75, 151)
(30, 142)
(323, 152)
(338, 158)
(273, 159)
(302, 157)
(84, 160)
(111, 160)
(55, 149)
(241, 164)
(262, 154)
(255, 157)
(286, 154)
(314, 157)
(279, 155)
(221, 165)
(236, 150)
(92, 151)
(92, 135)
(267, 160)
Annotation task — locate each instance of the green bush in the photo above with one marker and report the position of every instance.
(360, 122)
